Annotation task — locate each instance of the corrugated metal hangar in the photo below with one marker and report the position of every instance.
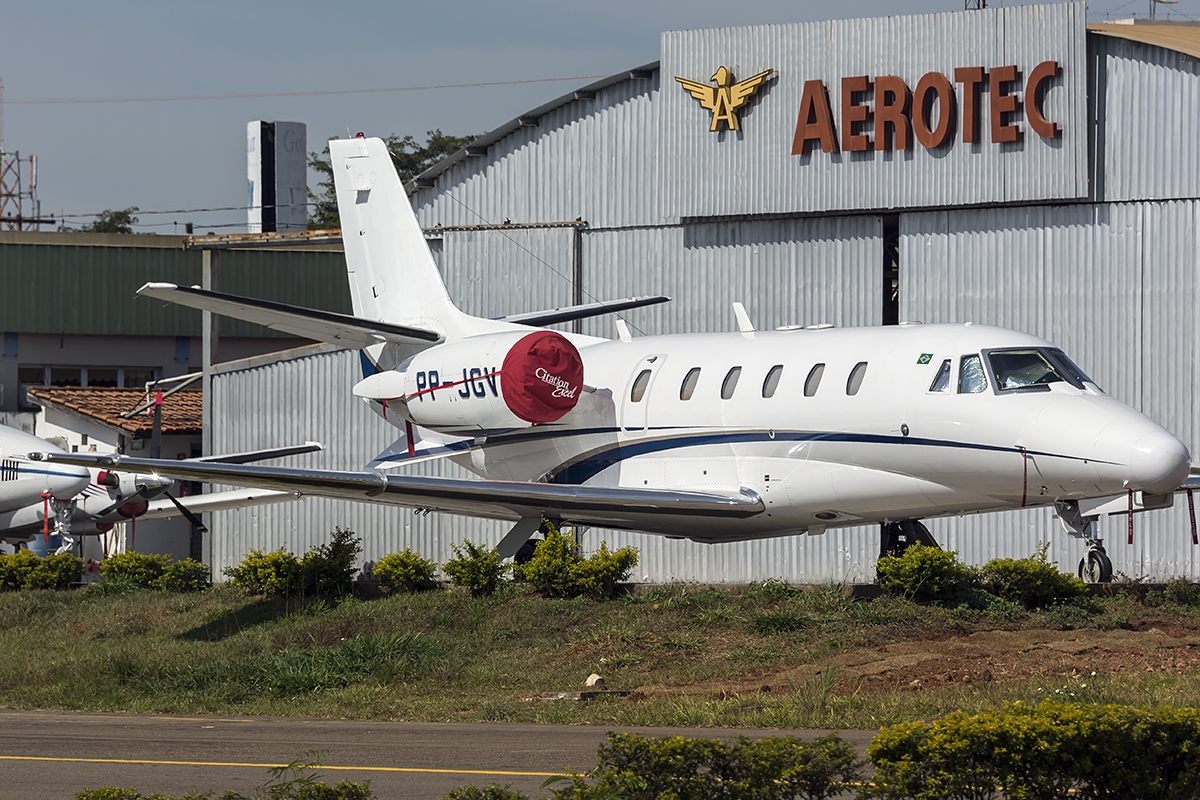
(1014, 167)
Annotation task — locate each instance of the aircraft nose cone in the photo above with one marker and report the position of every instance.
(65, 482)
(1159, 463)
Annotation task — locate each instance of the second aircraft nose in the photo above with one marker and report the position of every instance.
(64, 482)
(1159, 463)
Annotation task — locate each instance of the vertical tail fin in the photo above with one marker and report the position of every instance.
(393, 277)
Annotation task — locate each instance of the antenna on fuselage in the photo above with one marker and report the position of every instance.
(623, 331)
(743, 319)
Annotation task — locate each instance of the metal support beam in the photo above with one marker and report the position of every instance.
(209, 279)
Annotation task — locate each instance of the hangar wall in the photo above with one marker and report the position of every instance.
(1115, 285)
(1101, 257)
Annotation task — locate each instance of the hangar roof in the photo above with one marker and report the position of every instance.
(181, 411)
(479, 146)
(1183, 37)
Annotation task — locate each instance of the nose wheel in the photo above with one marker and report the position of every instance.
(1095, 567)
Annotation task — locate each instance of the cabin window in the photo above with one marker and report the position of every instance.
(639, 386)
(813, 380)
(688, 388)
(730, 383)
(941, 382)
(1020, 369)
(854, 382)
(971, 379)
(772, 381)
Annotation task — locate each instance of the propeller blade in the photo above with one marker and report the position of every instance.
(188, 514)
(133, 498)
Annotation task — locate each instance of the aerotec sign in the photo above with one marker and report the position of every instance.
(929, 113)
(905, 112)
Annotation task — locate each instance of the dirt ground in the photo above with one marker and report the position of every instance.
(986, 657)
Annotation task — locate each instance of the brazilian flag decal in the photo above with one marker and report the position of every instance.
(925, 358)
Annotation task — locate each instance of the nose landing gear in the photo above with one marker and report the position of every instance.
(1095, 566)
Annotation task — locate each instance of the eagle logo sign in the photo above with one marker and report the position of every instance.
(726, 97)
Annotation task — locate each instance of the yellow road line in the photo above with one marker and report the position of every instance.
(129, 716)
(315, 767)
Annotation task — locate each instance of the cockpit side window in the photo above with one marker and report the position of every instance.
(1070, 368)
(971, 379)
(941, 381)
(1022, 369)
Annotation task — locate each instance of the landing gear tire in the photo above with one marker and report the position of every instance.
(1095, 567)
(896, 537)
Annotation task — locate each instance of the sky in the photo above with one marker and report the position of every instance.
(64, 62)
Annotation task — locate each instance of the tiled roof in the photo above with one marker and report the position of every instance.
(182, 411)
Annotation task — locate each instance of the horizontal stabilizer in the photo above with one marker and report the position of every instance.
(322, 326)
(570, 313)
(263, 455)
(672, 513)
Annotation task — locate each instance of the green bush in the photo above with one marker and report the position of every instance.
(24, 569)
(1033, 582)
(273, 573)
(557, 569)
(405, 572)
(476, 567)
(643, 768)
(925, 573)
(1048, 750)
(327, 569)
(142, 569)
(188, 575)
(490, 792)
(345, 790)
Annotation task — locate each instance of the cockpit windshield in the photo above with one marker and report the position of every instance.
(1026, 369)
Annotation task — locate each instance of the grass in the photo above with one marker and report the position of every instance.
(447, 656)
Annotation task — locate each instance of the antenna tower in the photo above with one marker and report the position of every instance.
(13, 190)
(974, 5)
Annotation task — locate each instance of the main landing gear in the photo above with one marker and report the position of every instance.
(896, 537)
(1095, 566)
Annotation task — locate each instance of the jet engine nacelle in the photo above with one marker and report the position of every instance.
(493, 382)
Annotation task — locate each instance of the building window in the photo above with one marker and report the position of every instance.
(103, 377)
(689, 384)
(772, 381)
(814, 380)
(138, 377)
(66, 376)
(854, 382)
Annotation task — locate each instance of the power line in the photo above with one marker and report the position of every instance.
(187, 98)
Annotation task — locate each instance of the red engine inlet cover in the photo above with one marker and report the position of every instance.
(542, 377)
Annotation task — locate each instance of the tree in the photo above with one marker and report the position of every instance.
(409, 158)
(109, 221)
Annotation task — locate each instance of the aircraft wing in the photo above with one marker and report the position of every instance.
(647, 510)
(214, 501)
(322, 326)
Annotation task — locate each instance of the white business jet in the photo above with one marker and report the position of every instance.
(714, 437)
(39, 497)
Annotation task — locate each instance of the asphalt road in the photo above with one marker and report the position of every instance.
(52, 755)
